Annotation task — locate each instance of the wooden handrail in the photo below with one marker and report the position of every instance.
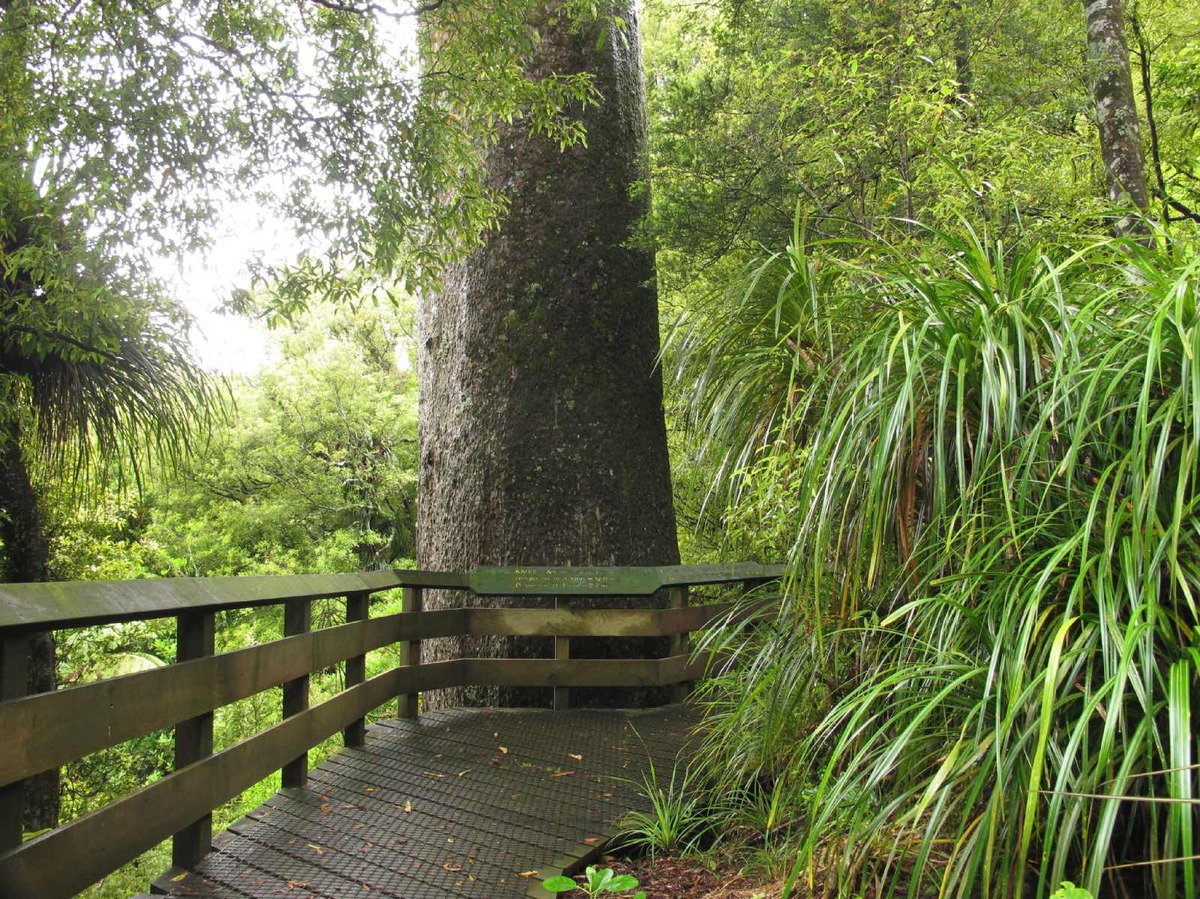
(611, 581)
(51, 606)
(50, 729)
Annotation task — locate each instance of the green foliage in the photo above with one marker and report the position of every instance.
(678, 818)
(318, 472)
(739, 358)
(94, 359)
(993, 570)
(139, 125)
(1167, 57)
(869, 116)
(599, 880)
(100, 539)
(862, 120)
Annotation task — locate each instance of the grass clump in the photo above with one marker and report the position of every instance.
(982, 676)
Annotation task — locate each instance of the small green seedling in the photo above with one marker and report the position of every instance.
(598, 881)
(1068, 890)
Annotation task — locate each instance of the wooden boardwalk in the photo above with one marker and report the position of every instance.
(459, 803)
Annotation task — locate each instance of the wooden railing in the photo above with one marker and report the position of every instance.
(46, 730)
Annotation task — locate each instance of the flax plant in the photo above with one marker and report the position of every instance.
(988, 660)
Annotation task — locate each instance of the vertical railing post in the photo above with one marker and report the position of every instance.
(751, 584)
(358, 606)
(14, 672)
(297, 619)
(562, 651)
(194, 639)
(410, 652)
(681, 642)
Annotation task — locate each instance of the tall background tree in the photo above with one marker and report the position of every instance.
(542, 433)
(1116, 111)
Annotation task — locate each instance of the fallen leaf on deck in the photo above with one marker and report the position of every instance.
(432, 774)
(315, 848)
(563, 774)
(408, 806)
(450, 867)
(529, 873)
(464, 772)
(592, 841)
(503, 750)
(179, 877)
(572, 755)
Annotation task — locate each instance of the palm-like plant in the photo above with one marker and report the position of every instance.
(96, 376)
(740, 357)
(995, 519)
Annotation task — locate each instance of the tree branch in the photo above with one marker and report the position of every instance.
(1185, 212)
(63, 338)
(369, 8)
(1148, 97)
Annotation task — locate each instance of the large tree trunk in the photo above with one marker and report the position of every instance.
(1116, 113)
(26, 560)
(541, 420)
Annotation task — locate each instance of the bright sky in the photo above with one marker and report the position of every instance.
(230, 344)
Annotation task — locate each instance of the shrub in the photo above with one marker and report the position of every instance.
(994, 576)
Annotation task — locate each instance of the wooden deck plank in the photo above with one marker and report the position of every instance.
(459, 803)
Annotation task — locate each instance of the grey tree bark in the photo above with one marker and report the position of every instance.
(1116, 113)
(541, 419)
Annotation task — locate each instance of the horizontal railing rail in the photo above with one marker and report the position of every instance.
(63, 604)
(47, 730)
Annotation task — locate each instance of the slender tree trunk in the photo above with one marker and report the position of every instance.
(541, 419)
(1160, 181)
(964, 78)
(27, 559)
(1116, 112)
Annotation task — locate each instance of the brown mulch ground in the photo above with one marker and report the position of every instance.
(673, 878)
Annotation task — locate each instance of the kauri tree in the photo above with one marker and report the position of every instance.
(541, 420)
